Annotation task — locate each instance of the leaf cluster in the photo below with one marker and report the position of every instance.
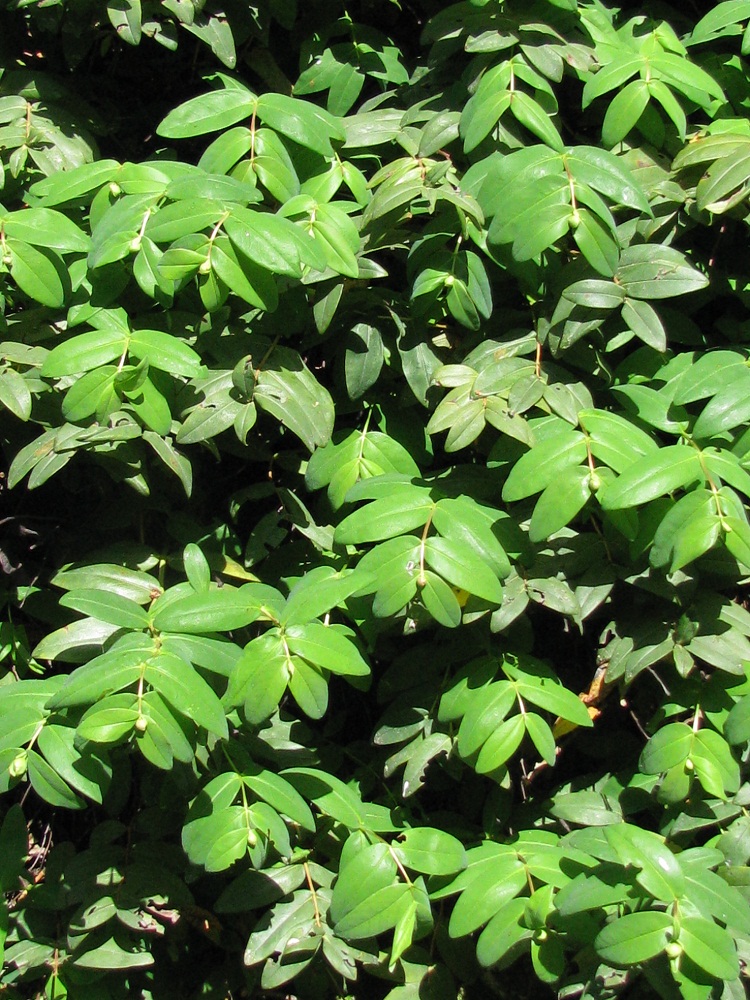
(377, 462)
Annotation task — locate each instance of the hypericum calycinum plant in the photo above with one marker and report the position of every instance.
(375, 542)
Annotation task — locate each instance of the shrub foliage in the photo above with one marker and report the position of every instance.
(376, 415)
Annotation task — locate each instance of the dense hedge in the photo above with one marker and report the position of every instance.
(376, 414)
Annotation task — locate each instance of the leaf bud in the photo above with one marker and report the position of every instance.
(19, 764)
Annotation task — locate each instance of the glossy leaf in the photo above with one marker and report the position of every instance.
(634, 938)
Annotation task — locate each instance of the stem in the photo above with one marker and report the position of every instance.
(139, 693)
(217, 227)
(123, 358)
(35, 737)
(589, 456)
(313, 893)
(402, 871)
(422, 579)
(572, 188)
(252, 136)
(713, 488)
(697, 719)
(363, 435)
(144, 222)
(266, 356)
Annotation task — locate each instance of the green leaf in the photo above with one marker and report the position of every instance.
(309, 687)
(165, 352)
(253, 283)
(737, 723)
(652, 476)
(15, 394)
(218, 840)
(330, 795)
(212, 112)
(440, 600)
(287, 390)
(709, 946)
(661, 93)
(534, 117)
(179, 684)
(163, 740)
(107, 607)
(541, 736)
(462, 568)
(318, 591)
(367, 898)
(280, 794)
(134, 585)
(596, 243)
(430, 851)
(363, 360)
(624, 111)
(93, 392)
(485, 108)
(109, 721)
(85, 352)
(407, 508)
(273, 242)
(478, 527)
(68, 642)
(338, 238)
(323, 646)
(40, 273)
(259, 678)
(586, 808)
(657, 272)
(611, 76)
(716, 768)
(272, 164)
(538, 684)
(501, 745)
(301, 121)
(71, 185)
(615, 440)
(634, 938)
(111, 955)
(727, 410)
(492, 883)
(87, 773)
(483, 716)
(218, 610)
(48, 784)
(543, 463)
(502, 932)
(197, 569)
(644, 321)
(667, 748)
(660, 872)
(560, 502)
(44, 227)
